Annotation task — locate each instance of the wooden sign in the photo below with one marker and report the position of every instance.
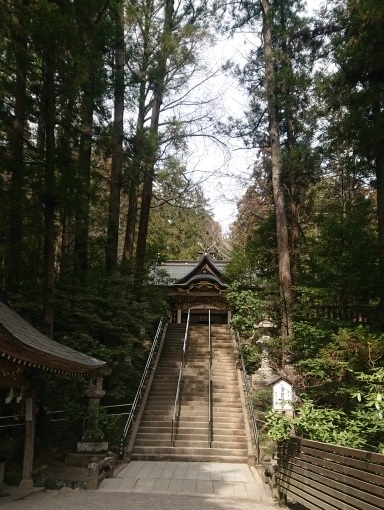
(282, 395)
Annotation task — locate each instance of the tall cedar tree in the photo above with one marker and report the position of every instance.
(149, 162)
(277, 184)
(117, 143)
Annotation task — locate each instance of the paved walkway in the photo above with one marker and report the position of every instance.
(157, 486)
(213, 479)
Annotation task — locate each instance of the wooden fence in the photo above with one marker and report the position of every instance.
(328, 477)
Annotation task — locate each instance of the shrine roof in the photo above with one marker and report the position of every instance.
(23, 344)
(180, 269)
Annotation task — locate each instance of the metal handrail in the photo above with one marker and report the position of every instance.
(209, 381)
(186, 337)
(176, 404)
(138, 395)
(13, 425)
(209, 336)
(177, 397)
(13, 417)
(249, 402)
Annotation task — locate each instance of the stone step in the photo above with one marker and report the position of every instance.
(221, 425)
(157, 393)
(200, 434)
(190, 451)
(157, 417)
(219, 390)
(150, 426)
(231, 421)
(191, 415)
(224, 384)
(186, 395)
(192, 404)
(185, 440)
(222, 412)
(165, 382)
(182, 434)
(166, 442)
(232, 402)
(152, 430)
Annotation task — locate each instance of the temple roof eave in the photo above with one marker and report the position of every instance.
(22, 344)
(200, 278)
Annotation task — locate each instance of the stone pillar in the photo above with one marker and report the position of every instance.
(179, 316)
(29, 445)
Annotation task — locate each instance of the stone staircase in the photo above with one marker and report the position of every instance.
(191, 433)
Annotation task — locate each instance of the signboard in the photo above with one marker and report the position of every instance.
(282, 396)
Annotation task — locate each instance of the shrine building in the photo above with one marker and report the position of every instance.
(198, 286)
(24, 351)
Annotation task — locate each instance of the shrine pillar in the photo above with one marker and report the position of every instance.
(29, 445)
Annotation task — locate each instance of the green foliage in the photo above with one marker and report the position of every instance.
(98, 423)
(329, 375)
(248, 308)
(262, 399)
(359, 425)
(107, 323)
(309, 338)
(252, 356)
(359, 348)
(181, 223)
(358, 429)
(343, 247)
(372, 396)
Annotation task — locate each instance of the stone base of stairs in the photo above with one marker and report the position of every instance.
(195, 457)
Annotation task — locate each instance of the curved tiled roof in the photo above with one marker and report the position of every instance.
(198, 278)
(179, 269)
(21, 343)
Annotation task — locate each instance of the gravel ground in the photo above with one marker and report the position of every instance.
(67, 499)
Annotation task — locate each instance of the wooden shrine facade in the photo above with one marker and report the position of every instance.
(199, 287)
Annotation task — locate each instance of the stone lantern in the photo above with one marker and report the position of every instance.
(91, 440)
(264, 374)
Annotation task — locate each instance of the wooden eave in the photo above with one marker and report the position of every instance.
(207, 281)
(23, 346)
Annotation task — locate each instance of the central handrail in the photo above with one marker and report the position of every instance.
(186, 337)
(137, 399)
(209, 381)
(209, 336)
(176, 404)
(249, 401)
(177, 397)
